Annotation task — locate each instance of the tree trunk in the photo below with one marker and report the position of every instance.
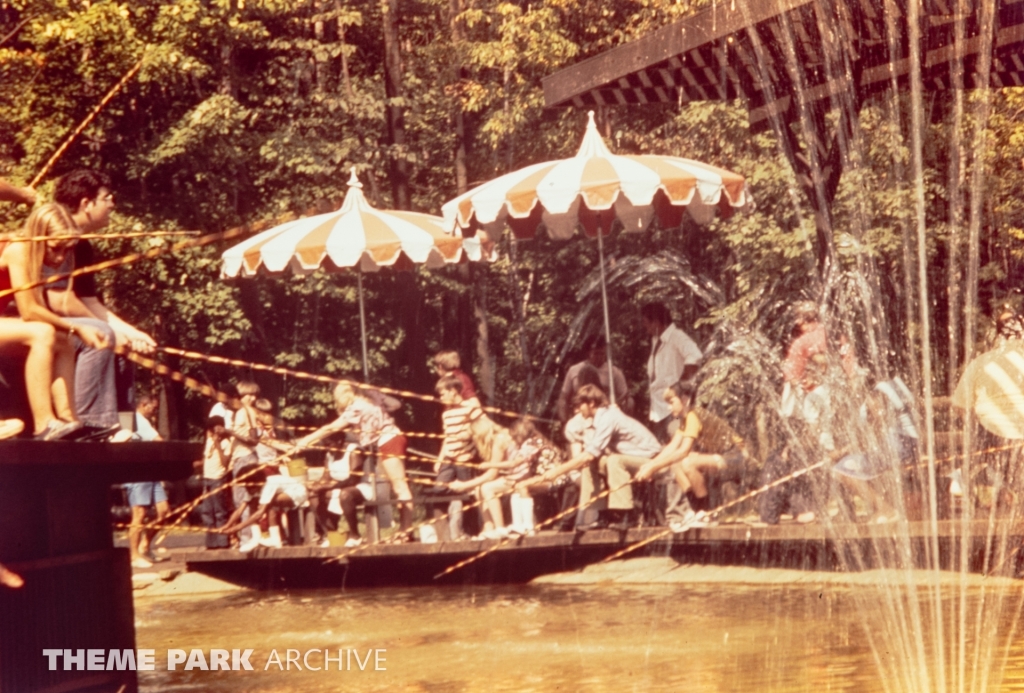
(474, 311)
(345, 78)
(483, 344)
(398, 168)
(227, 81)
(319, 66)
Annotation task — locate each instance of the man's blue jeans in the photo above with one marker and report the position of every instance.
(95, 377)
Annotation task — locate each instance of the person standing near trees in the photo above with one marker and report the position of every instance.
(89, 196)
(674, 357)
(143, 494)
(596, 355)
(216, 504)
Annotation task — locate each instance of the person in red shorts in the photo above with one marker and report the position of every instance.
(367, 413)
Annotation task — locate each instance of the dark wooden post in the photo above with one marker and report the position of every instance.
(55, 531)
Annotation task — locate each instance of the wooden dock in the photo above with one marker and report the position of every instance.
(55, 531)
(808, 547)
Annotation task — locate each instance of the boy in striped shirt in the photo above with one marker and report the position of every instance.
(458, 450)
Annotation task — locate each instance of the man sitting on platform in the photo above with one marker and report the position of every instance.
(620, 445)
(88, 195)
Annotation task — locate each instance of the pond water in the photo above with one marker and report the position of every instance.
(600, 637)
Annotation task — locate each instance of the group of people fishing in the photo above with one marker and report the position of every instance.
(72, 393)
(613, 472)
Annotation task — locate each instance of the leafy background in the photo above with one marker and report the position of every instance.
(245, 109)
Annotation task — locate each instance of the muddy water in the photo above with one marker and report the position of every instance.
(599, 637)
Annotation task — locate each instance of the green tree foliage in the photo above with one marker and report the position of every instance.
(244, 109)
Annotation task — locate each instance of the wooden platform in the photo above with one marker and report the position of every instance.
(809, 547)
(55, 531)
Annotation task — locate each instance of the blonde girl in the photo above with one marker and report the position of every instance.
(50, 366)
(367, 413)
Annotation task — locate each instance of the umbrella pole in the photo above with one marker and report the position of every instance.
(362, 326)
(607, 323)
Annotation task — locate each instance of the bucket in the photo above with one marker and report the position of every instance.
(335, 539)
(428, 535)
(297, 467)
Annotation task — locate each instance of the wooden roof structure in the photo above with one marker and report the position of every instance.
(763, 51)
(794, 61)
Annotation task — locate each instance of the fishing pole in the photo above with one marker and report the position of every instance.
(98, 236)
(88, 119)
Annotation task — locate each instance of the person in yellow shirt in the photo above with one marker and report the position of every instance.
(703, 443)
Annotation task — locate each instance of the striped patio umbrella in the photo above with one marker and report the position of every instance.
(592, 190)
(993, 386)
(356, 236)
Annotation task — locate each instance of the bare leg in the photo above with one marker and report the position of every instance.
(680, 477)
(135, 531)
(146, 541)
(163, 508)
(692, 466)
(63, 388)
(350, 498)
(40, 339)
(394, 468)
(492, 502)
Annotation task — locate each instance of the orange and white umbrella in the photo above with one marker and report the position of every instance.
(356, 236)
(993, 386)
(592, 190)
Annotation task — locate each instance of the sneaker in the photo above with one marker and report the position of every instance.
(10, 428)
(678, 526)
(271, 542)
(353, 542)
(956, 484)
(122, 436)
(92, 433)
(700, 519)
(141, 563)
(621, 524)
(58, 430)
(689, 520)
(249, 545)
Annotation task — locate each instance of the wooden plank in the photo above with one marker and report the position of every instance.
(69, 462)
(733, 533)
(689, 53)
(719, 21)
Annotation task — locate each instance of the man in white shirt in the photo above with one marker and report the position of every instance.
(674, 357)
(596, 353)
(143, 494)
